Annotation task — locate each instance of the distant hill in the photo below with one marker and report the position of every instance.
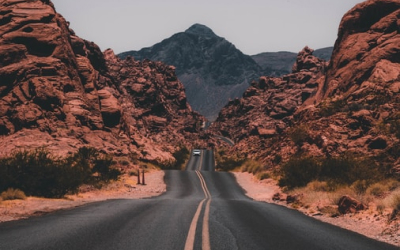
(281, 63)
(212, 69)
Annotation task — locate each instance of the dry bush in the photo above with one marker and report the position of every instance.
(252, 166)
(13, 194)
(263, 175)
(377, 189)
(318, 186)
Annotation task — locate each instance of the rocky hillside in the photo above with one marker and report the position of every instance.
(267, 107)
(212, 69)
(354, 104)
(59, 91)
(281, 63)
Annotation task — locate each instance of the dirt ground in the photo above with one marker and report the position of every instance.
(368, 223)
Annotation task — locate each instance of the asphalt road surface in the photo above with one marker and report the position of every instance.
(201, 209)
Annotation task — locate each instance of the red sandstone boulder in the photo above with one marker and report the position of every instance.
(348, 204)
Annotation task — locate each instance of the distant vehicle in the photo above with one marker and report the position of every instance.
(196, 152)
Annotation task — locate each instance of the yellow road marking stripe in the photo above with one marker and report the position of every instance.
(192, 230)
(193, 225)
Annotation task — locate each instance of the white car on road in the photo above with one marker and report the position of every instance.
(196, 152)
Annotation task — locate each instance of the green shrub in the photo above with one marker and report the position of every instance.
(227, 162)
(13, 194)
(348, 169)
(337, 171)
(298, 172)
(299, 135)
(181, 156)
(38, 173)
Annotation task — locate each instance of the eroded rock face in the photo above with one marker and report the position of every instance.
(57, 90)
(367, 49)
(351, 106)
(268, 106)
(154, 101)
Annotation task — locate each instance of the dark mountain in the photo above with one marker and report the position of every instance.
(281, 63)
(212, 69)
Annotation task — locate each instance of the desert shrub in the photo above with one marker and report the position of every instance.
(263, 175)
(251, 166)
(227, 162)
(299, 135)
(336, 171)
(322, 186)
(298, 172)
(13, 194)
(166, 164)
(396, 202)
(360, 186)
(38, 173)
(332, 107)
(181, 156)
(277, 159)
(348, 169)
(377, 189)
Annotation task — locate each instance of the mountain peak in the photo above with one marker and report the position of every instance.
(200, 29)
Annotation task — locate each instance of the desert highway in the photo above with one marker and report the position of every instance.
(202, 209)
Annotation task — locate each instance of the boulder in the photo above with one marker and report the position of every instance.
(348, 204)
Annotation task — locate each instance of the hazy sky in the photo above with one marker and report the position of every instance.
(253, 26)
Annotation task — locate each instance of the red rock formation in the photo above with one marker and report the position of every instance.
(353, 107)
(57, 90)
(348, 204)
(267, 107)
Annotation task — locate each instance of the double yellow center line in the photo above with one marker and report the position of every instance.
(192, 230)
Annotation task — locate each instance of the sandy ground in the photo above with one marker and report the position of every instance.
(368, 222)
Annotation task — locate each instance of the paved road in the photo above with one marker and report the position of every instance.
(200, 210)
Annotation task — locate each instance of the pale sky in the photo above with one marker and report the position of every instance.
(253, 26)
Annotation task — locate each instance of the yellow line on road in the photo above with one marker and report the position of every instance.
(205, 232)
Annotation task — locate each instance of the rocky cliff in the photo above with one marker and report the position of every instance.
(352, 105)
(212, 69)
(59, 91)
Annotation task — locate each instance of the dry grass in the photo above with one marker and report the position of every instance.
(263, 175)
(13, 194)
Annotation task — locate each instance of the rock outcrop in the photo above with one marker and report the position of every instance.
(351, 106)
(59, 91)
(266, 109)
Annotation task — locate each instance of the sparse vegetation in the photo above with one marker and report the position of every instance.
(181, 156)
(345, 170)
(329, 108)
(226, 162)
(299, 134)
(39, 173)
(13, 194)
(298, 172)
